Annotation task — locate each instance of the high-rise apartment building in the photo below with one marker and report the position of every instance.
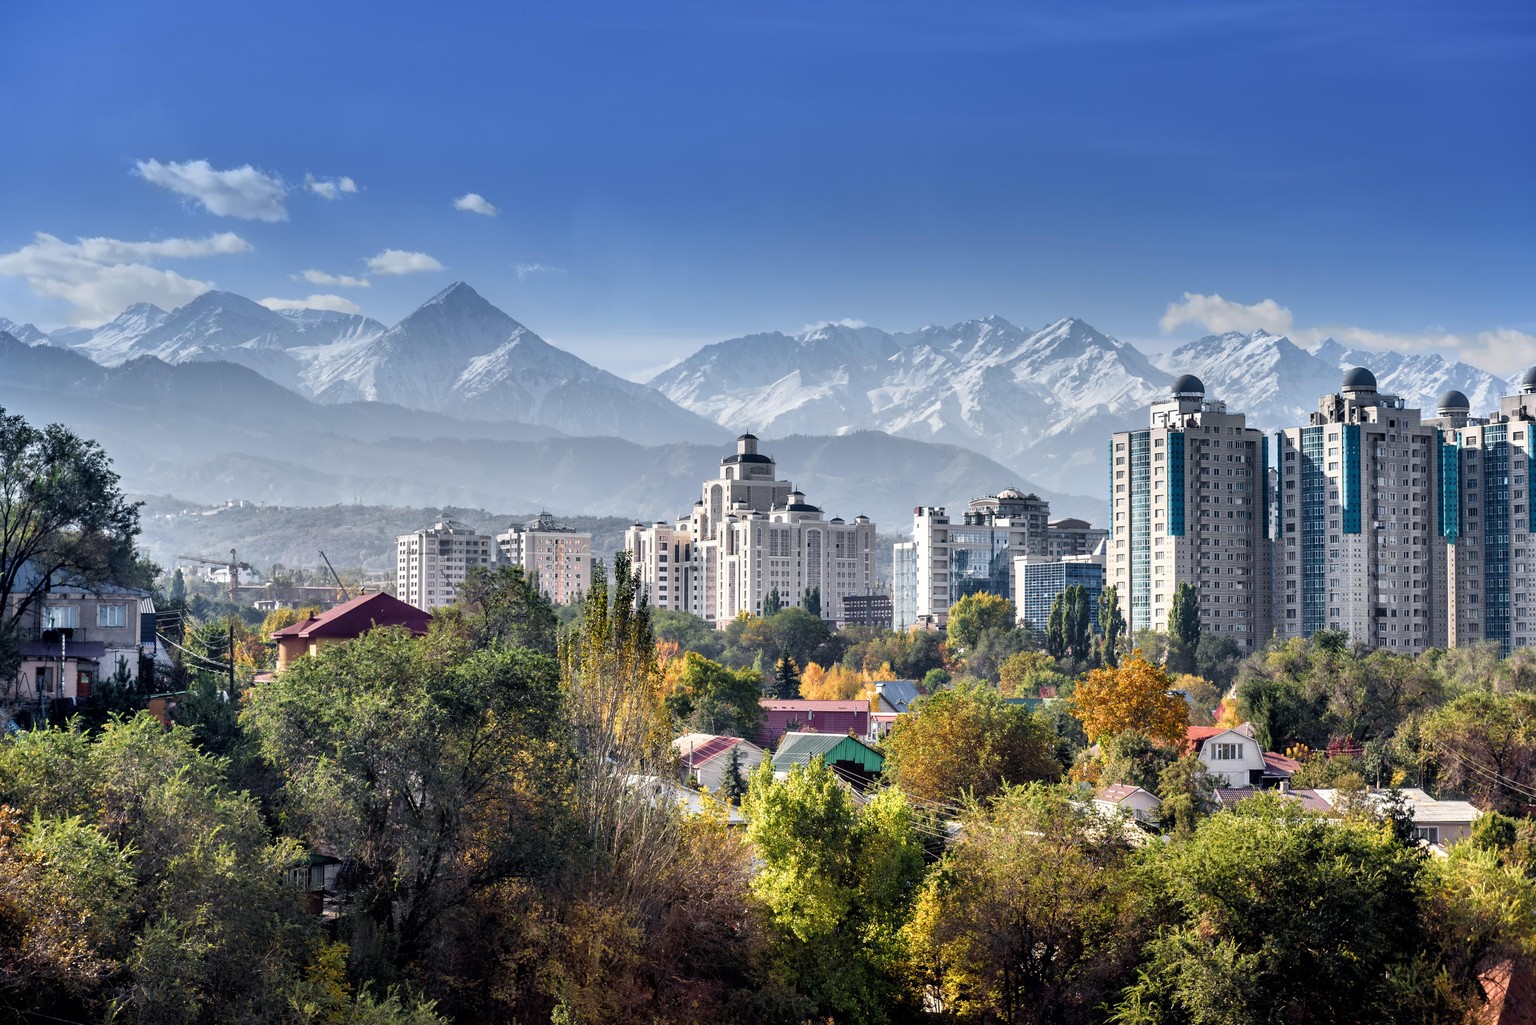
(431, 563)
(904, 585)
(1188, 499)
(953, 560)
(1070, 536)
(1487, 517)
(1361, 547)
(750, 534)
(561, 556)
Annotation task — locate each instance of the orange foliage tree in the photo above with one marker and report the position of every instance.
(1132, 697)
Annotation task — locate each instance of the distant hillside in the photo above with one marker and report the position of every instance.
(351, 535)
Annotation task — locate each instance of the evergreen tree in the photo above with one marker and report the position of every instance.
(773, 603)
(1111, 624)
(733, 782)
(1078, 628)
(810, 601)
(178, 589)
(1183, 629)
(786, 677)
(1056, 628)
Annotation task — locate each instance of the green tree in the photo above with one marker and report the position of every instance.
(178, 593)
(425, 765)
(1134, 759)
(967, 741)
(1217, 657)
(1111, 624)
(837, 882)
(1183, 629)
(786, 677)
(1233, 937)
(1485, 746)
(1079, 626)
(714, 699)
(810, 601)
(63, 518)
(1056, 627)
(1031, 915)
(503, 607)
(1188, 792)
(772, 603)
(733, 782)
(975, 614)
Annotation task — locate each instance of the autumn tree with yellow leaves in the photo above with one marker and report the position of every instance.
(1133, 697)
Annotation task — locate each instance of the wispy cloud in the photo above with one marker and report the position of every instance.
(1219, 315)
(238, 192)
(335, 303)
(525, 269)
(329, 188)
(823, 324)
(98, 277)
(474, 203)
(320, 277)
(398, 261)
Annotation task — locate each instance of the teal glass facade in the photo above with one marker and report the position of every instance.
(1449, 497)
(1313, 481)
(1140, 483)
(1175, 494)
(1349, 490)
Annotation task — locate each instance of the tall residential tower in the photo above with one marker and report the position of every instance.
(1188, 500)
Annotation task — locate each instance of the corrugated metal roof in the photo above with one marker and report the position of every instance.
(358, 616)
(802, 748)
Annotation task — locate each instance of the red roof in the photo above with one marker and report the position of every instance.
(358, 616)
(804, 705)
(1280, 763)
(702, 754)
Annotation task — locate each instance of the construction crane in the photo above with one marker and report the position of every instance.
(233, 564)
(343, 587)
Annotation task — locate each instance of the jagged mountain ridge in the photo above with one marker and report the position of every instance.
(457, 355)
(1042, 402)
(235, 434)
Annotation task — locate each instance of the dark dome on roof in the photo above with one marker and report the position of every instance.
(747, 437)
(1453, 400)
(1188, 384)
(1528, 382)
(1359, 379)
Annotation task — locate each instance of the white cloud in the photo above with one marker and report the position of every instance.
(336, 303)
(329, 188)
(821, 324)
(525, 269)
(98, 277)
(239, 192)
(1220, 315)
(474, 203)
(398, 261)
(1501, 350)
(320, 277)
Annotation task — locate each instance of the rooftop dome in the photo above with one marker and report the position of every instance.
(1010, 493)
(1188, 384)
(1528, 382)
(1359, 379)
(1453, 401)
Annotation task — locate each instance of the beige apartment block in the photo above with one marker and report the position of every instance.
(1188, 498)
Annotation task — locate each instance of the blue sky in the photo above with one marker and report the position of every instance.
(668, 174)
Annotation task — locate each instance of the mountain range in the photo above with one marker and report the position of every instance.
(460, 403)
(1041, 401)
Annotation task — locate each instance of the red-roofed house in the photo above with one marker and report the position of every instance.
(813, 716)
(1231, 754)
(347, 622)
(705, 756)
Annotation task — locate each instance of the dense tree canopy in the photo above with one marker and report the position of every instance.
(968, 742)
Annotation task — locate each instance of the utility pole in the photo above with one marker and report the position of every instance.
(231, 657)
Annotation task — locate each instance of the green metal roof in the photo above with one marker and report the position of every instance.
(833, 748)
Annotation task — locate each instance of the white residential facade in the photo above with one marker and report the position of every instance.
(560, 555)
(431, 563)
(1189, 504)
(748, 535)
(1361, 549)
